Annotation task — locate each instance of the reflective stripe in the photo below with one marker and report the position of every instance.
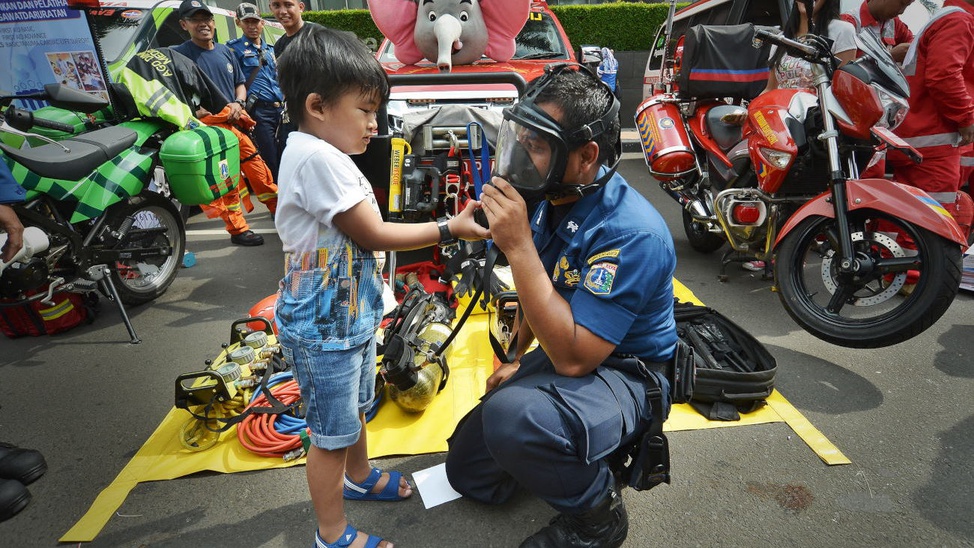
(158, 100)
(910, 61)
(944, 197)
(967, 161)
(56, 311)
(937, 139)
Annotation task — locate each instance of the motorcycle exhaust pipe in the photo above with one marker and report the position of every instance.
(698, 212)
(35, 241)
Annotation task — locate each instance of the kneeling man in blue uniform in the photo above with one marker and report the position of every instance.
(593, 266)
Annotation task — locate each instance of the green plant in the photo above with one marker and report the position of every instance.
(622, 26)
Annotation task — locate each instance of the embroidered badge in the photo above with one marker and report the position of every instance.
(600, 277)
(572, 226)
(572, 277)
(604, 255)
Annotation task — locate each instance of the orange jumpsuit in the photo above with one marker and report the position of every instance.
(258, 176)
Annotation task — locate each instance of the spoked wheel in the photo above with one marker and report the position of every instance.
(157, 238)
(700, 238)
(906, 279)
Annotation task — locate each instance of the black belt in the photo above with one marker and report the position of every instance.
(275, 104)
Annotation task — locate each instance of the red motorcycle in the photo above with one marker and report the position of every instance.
(862, 263)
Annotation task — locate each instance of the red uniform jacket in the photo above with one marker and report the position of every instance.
(941, 82)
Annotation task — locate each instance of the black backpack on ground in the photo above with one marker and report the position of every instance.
(734, 371)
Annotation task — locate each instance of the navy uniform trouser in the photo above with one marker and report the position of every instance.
(548, 433)
(268, 117)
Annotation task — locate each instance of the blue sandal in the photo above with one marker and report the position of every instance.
(363, 491)
(346, 539)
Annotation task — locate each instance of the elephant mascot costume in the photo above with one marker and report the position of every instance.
(450, 32)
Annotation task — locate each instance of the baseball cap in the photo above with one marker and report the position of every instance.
(189, 8)
(248, 11)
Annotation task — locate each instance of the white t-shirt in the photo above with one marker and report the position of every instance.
(793, 72)
(316, 182)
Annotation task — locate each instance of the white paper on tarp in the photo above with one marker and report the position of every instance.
(433, 486)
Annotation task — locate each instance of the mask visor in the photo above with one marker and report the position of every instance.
(527, 157)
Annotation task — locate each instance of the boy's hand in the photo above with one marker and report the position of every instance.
(464, 227)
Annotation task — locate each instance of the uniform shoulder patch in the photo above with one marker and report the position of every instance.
(600, 277)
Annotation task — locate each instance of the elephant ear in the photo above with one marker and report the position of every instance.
(396, 20)
(504, 19)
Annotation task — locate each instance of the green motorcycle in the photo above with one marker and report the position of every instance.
(92, 222)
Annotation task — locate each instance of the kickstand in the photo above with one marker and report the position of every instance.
(109, 286)
(735, 256)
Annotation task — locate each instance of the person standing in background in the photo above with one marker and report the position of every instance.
(883, 16)
(265, 102)
(940, 124)
(220, 65)
(288, 14)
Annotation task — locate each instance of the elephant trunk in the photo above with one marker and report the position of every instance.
(447, 30)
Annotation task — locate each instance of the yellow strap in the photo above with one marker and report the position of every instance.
(808, 433)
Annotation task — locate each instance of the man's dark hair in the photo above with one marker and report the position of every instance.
(330, 63)
(582, 100)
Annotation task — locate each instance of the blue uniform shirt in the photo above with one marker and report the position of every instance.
(249, 55)
(219, 63)
(612, 258)
(10, 191)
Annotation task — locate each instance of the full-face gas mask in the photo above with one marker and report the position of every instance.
(533, 148)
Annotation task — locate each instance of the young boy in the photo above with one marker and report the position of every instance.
(330, 300)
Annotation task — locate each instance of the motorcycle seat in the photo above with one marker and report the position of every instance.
(725, 135)
(88, 151)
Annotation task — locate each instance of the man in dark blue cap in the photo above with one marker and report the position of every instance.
(265, 102)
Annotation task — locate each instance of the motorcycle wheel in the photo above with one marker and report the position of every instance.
(700, 238)
(141, 281)
(877, 307)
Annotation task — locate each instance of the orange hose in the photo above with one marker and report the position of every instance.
(256, 432)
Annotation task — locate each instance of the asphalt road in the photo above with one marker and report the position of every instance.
(88, 400)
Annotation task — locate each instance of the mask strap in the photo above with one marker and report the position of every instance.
(582, 191)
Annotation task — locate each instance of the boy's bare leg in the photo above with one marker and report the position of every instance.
(325, 471)
(358, 468)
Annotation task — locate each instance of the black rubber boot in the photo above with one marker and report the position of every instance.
(13, 498)
(23, 465)
(604, 526)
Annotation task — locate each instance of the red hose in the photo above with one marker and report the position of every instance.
(256, 432)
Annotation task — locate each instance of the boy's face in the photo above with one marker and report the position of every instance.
(287, 13)
(348, 124)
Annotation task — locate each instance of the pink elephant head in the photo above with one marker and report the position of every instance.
(450, 31)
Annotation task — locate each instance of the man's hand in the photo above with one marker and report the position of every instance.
(202, 113)
(235, 110)
(898, 52)
(15, 233)
(507, 215)
(966, 135)
(503, 373)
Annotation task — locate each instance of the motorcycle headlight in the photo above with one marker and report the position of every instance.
(776, 158)
(894, 109)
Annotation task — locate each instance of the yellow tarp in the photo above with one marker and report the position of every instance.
(392, 431)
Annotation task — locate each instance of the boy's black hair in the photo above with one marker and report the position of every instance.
(582, 101)
(330, 63)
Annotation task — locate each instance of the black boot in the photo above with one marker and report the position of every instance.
(604, 526)
(23, 465)
(13, 498)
